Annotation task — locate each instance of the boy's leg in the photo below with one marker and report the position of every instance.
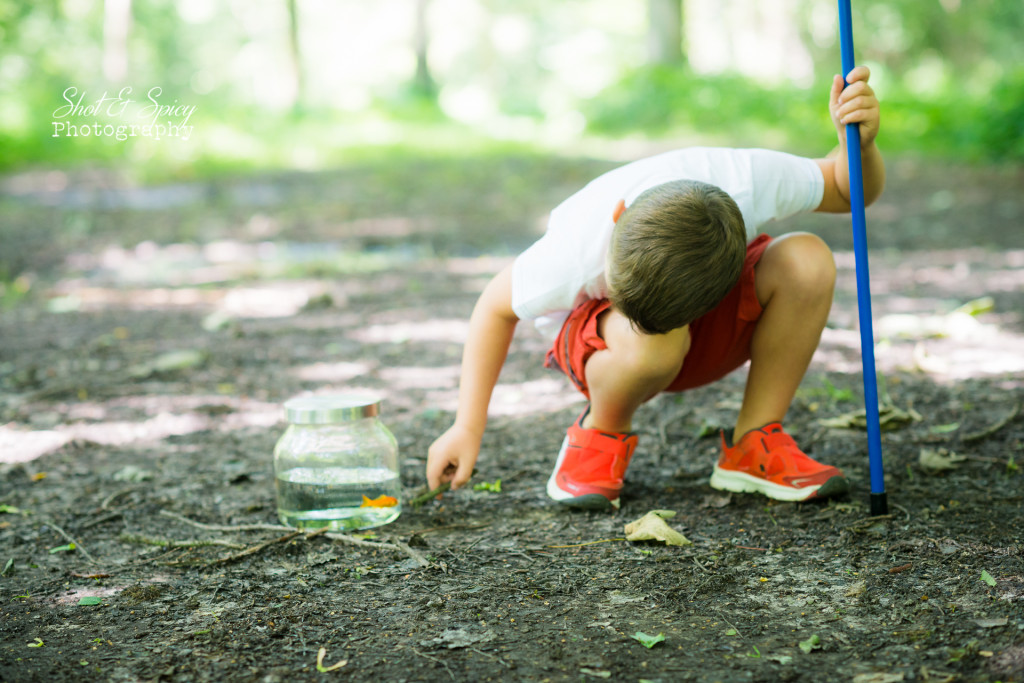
(794, 279)
(622, 370)
(634, 368)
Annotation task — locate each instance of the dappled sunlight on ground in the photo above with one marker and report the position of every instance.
(155, 418)
(428, 330)
(942, 313)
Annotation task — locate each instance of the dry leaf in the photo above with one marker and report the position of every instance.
(320, 662)
(889, 417)
(652, 527)
(938, 460)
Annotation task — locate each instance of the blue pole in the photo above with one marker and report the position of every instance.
(879, 505)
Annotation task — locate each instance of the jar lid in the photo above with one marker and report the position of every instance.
(330, 408)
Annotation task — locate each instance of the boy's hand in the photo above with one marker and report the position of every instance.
(451, 457)
(854, 103)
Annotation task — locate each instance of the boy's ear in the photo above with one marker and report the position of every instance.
(620, 209)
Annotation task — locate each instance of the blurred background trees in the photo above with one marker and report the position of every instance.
(309, 83)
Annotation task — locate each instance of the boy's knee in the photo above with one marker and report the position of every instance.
(655, 356)
(803, 261)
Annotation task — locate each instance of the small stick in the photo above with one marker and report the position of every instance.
(257, 548)
(343, 538)
(171, 543)
(78, 546)
(989, 431)
(435, 659)
(105, 505)
(101, 520)
(580, 545)
(429, 495)
(225, 527)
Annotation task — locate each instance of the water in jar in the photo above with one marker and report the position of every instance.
(341, 498)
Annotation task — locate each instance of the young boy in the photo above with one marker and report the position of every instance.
(646, 282)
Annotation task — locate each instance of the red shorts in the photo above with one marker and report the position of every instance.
(719, 339)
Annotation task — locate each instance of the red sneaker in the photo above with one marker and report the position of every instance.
(768, 461)
(590, 466)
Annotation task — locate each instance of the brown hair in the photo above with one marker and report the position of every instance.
(675, 253)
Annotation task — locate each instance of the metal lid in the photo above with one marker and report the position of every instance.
(331, 408)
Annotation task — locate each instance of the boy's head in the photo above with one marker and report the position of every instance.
(675, 253)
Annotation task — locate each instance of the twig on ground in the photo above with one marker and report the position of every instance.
(429, 495)
(902, 509)
(435, 659)
(116, 494)
(69, 539)
(580, 545)
(257, 548)
(866, 523)
(989, 431)
(342, 538)
(225, 527)
(490, 656)
(139, 539)
(413, 553)
(101, 520)
(447, 527)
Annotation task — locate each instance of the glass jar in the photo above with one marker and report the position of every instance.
(336, 465)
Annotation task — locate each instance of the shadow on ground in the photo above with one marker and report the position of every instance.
(264, 288)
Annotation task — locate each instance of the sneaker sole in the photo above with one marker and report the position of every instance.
(739, 482)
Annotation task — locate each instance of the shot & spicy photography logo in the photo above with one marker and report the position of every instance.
(120, 116)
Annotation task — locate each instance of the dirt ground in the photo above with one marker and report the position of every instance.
(146, 355)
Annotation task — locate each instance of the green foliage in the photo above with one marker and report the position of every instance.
(657, 100)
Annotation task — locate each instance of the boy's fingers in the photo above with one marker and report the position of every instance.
(435, 472)
(837, 88)
(462, 475)
(858, 73)
(858, 104)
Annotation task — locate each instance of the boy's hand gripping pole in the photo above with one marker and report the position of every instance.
(879, 505)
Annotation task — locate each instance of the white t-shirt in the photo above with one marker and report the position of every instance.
(565, 267)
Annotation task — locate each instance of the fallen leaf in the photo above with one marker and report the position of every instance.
(855, 590)
(812, 643)
(889, 417)
(646, 640)
(992, 623)
(714, 500)
(987, 578)
(652, 527)
(132, 473)
(781, 659)
(459, 637)
(938, 460)
(488, 486)
(90, 600)
(320, 662)
(598, 673)
(878, 678)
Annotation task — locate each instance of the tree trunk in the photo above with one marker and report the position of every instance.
(423, 82)
(117, 19)
(295, 54)
(665, 31)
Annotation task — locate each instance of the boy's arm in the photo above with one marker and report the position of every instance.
(491, 326)
(856, 103)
